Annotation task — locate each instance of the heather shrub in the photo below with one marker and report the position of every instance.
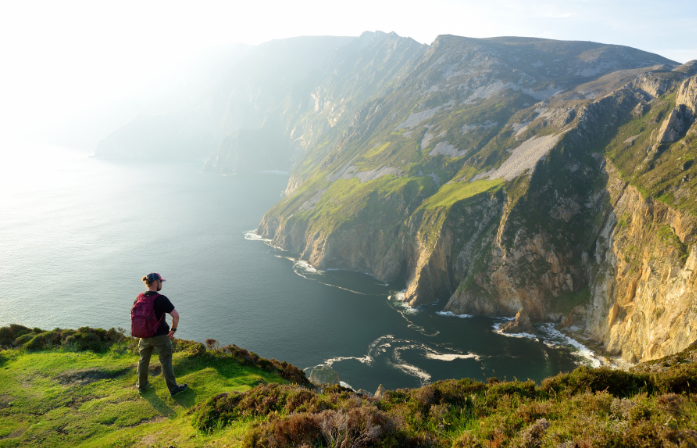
(533, 411)
(681, 378)
(8, 335)
(45, 340)
(467, 440)
(364, 426)
(526, 389)
(261, 400)
(671, 404)
(616, 382)
(23, 339)
(532, 436)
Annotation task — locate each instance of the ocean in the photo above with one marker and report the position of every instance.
(77, 234)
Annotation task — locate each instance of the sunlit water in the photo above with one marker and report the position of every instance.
(78, 233)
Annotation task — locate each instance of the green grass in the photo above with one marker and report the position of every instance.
(58, 397)
(454, 192)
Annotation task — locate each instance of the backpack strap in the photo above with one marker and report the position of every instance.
(157, 294)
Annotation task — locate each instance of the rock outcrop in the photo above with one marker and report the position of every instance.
(687, 95)
(643, 298)
(324, 375)
(520, 324)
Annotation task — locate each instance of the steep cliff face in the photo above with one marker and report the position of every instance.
(494, 190)
(643, 304)
(312, 109)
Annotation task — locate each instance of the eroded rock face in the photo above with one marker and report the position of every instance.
(687, 94)
(643, 302)
(673, 126)
(520, 324)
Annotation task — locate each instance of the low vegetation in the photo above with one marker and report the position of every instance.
(62, 394)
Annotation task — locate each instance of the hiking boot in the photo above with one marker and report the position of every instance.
(180, 388)
(148, 387)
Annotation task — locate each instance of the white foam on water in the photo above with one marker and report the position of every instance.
(404, 309)
(251, 235)
(346, 385)
(367, 359)
(497, 329)
(401, 303)
(304, 265)
(451, 314)
(414, 371)
(452, 357)
(558, 338)
(388, 349)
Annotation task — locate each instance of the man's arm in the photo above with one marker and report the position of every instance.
(175, 322)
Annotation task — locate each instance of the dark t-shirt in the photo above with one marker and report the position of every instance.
(162, 306)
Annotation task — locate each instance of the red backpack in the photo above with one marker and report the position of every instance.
(144, 321)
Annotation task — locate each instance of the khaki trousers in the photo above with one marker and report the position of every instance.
(164, 350)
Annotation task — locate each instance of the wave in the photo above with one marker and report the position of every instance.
(552, 337)
(451, 314)
(251, 235)
(362, 359)
(452, 357)
(556, 338)
(397, 303)
(304, 265)
(388, 350)
(308, 272)
(503, 320)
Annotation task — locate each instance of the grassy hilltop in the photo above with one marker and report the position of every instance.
(76, 388)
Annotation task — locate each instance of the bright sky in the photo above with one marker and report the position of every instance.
(62, 57)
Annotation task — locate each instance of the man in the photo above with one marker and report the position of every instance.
(161, 339)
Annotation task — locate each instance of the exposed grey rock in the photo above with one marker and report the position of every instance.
(445, 148)
(524, 157)
(380, 391)
(416, 118)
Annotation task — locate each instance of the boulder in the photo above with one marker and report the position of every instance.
(521, 324)
(380, 392)
(364, 392)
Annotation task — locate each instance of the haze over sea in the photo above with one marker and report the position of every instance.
(77, 234)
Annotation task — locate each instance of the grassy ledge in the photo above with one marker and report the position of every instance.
(63, 394)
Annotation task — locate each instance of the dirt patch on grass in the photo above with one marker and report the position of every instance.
(148, 440)
(157, 419)
(5, 401)
(14, 434)
(86, 376)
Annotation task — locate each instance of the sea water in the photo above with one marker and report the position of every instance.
(77, 234)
